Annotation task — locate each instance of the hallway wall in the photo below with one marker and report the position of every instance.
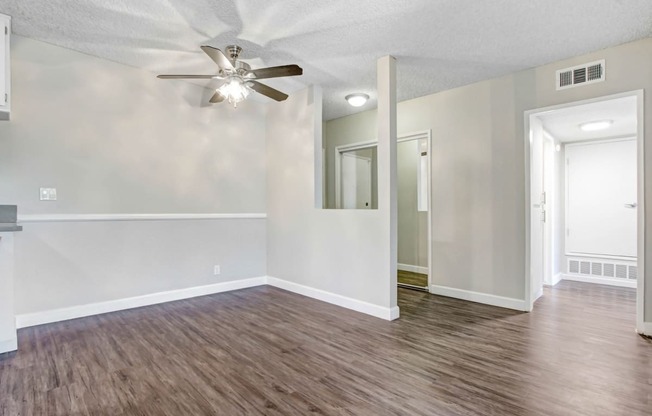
(478, 164)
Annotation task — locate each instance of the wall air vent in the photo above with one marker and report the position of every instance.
(603, 268)
(580, 75)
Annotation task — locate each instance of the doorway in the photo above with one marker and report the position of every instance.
(355, 188)
(356, 179)
(412, 170)
(585, 205)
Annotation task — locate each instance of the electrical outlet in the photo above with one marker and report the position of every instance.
(48, 194)
(216, 270)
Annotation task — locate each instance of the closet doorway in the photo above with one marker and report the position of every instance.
(413, 200)
(355, 170)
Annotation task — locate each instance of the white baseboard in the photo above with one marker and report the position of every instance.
(556, 279)
(600, 280)
(501, 301)
(9, 345)
(63, 314)
(647, 329)
(388, 314)
(411, 268)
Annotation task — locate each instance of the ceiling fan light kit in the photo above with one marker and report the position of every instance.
(238, 79)
(357, 99)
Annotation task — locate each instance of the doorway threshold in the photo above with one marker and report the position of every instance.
(413, 287)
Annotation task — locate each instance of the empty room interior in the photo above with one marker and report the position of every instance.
(238, 207)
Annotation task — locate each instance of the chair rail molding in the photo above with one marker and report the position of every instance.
(34, 218)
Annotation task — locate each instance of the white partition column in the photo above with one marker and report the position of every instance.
(8, 338)
(387, 132)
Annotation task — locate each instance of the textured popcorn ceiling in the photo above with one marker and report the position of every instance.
(439, 44)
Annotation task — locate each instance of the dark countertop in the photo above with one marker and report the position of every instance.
(10, 227)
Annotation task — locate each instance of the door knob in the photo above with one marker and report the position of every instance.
(634, 205)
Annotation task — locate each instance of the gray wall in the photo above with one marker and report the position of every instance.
(478, 164)
(338, 251)
(114, 139)
(58, 265)
(361, 128)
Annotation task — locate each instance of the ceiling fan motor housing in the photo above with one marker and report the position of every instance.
(233, 51)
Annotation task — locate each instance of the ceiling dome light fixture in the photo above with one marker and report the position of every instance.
(357, 100)
(596, 125)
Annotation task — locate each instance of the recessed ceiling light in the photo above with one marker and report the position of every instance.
(357, 100)
(596, 125)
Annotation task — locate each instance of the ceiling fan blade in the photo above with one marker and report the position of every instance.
(218, 56)
(276, 71)
(189, 77)
(267, 91)
(217, 98)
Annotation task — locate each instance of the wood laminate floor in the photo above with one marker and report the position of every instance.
(267, 351)
(412, 278)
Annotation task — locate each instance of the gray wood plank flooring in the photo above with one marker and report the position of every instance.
(267, 351)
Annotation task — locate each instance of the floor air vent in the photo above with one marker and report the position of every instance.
(581, 75)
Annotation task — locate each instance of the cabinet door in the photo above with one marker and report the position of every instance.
(5, 74)
(4, 52)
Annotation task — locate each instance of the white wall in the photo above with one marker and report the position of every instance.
(336, 251)
(115, 140)
(478, 165)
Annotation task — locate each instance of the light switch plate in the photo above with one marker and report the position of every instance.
(48, 194)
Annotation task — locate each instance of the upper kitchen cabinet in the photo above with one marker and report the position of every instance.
(5, 67)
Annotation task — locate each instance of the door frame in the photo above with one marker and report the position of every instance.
(339, 151)
(369, 161)
(640, 156)
(418, 135)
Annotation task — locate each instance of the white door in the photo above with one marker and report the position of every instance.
(601, 198)
(356, 181)
(537, 208)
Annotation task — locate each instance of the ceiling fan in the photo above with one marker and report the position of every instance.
(238, 79)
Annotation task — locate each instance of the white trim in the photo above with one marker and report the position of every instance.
(412, 268)
(646, 329)
(601, 256)
(600, 280)
(73, 312)
(8, 345)
(394, 313)
(494, 300)
(537, 296)
(556, 279)
(388, 314)
(31, 218)
(640, 283)
(640, 137)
